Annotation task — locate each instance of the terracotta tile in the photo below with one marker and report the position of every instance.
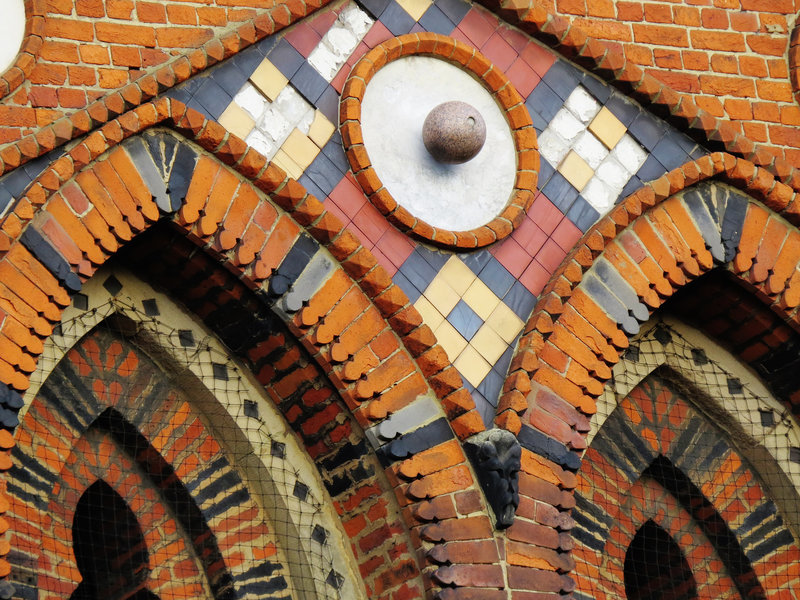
(377, 34)
(362, 237)
(535, 278)
(512, 256)
(321, 129)
(516, 39)
(457, 275)
(472, 366)
(505, 323)
(551, 255)
(461, 36)
(348, 196)
(415, 8)
(269, 79)
(338, 81)
(323, 22)
(476, 28)
(545, 214)
(384, 261)
(499, 51)
(566, 235)
(576, 170)
(236, 120)
(441, 295)
(432, 317)
(331, 207)
(607, 128)
(489, 344)
(396, 246)
(371, 222)
(523, 77)
(481, 299)
(530, 237)
(452, 342)
(538, 58)
(304, 38)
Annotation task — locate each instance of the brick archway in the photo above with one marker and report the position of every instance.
(69, 223)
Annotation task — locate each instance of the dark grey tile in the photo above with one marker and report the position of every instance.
(247, 60)
(311, 187)
(5, 198)
(435, 258)
(309, 83)
(634, 183)
(335, 153)
(546, 171)
(496, 277)
(544, 102)
(597, 88)
(417, 270)
(396, 19)
(465, 320)
(647, 129)
(324, 174)
(582, 214)
(562, 78)
(213, 98)
(651, 169)
(229, 78)
(455, 10)
(539, 124)
(16, 182)
(477, 260)
(408, 288)
(505, 360)
(669, 152)
(436, 21)
(374, 7)
(328, 104)
(622, 108)
(266, 45)
(560, 192)
(490, 387)
(286, 59)
(520, 300)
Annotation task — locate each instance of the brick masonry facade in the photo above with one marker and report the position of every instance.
(212, 152)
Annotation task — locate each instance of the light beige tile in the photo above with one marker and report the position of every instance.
(505, 323)
(481, 299)
(237, 121)
(430, 316)
(488, 344)
(450, 340)
(472, 366)
(269, 79)
(300, 149)
(321, 129)
(607, 128)
(441, 295)
(458, 275)
(576, 170)
(285, 162)
(415, 8)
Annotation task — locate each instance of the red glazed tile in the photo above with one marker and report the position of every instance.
(304, 38)
(515, 38)
(551, 255)
(384, 261)
(377, 34)
(566, 235)
(476, 28)
(396, 246)
(535, 278)
(323, 22)
(512, 256)
(538, 58)
(348, 196)
(331, 207)
(530, 237)
(523, 77)
(498, 50)
(545, 214)
(371, 222)
(341, 77)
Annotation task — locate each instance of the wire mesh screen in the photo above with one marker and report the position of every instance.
(689, 487)
(149, 464)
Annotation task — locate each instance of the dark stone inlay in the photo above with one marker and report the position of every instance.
(415, 442)
(220, 371)
(539, 443)
(112, 285)
(150, 307)
(186, 338)
(52, 260)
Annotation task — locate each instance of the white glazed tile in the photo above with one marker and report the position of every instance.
(251, 100)
(274, 125)
(553, 147)
(292, 105)
(340, 41)
(613, 174)
(590, 149)
(629, 154)
(567, 125)
(599, 195)
(582, 105)
(262, 143)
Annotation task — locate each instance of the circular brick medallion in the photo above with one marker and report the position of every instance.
(12, 32)
(509, 103)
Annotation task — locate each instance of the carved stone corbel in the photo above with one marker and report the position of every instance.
(495, 455)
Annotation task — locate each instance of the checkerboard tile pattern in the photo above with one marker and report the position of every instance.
(597, 147)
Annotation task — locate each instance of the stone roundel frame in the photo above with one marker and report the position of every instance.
(509, 101)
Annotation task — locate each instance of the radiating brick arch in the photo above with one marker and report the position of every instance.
(101, 195)
(666, 234)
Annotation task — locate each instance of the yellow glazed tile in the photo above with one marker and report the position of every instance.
(450, 340)
(488, 344)
(300, 149)
(285, 162)
(430, 316)
(458, 275)
(576, 170)
(481, 299)
(415, 8)
(472, 366)
(441, 295)
(607, 128)
(505, 323)
(321, 129)
(269, 79)
(236, 120)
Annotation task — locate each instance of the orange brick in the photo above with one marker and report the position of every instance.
(132, 34)
(181, 15)
(151, 12)
(183, 38)
(661, 35)
(718, 40)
